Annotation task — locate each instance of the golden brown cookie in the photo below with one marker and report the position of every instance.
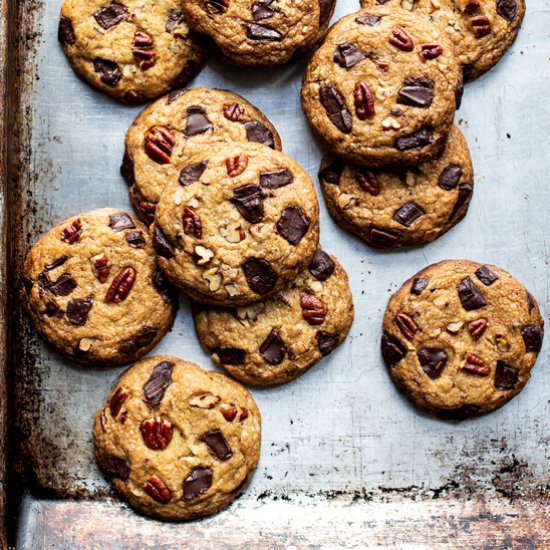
(481, 30)
(178, 442)
(131, 50)
(402, 207)
(93, 290)
(383, 87)
(239, 223)
(276, 341)
(460, 338)
(168, 132)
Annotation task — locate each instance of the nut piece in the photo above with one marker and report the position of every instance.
(143, 50)
(389, 123)
(250, 312)
(204, 400)
(406, 325)
(313, 309)
(157, 490)
(477, 328)
(364, 101)
(454, 328)
(481, 26)
(233, 112)
(214, 278)
(244, 414)
(192, 224)
(117, 400)
(236, 165)
(229, 411)
(203, 255)
(101, 267)
(430, 51)
(159, 143)
(232, 233)
(72, 233)
(401, 40)
(368, 181)
(156, 433)
(85, 345)
(121, 285)
(475, 365)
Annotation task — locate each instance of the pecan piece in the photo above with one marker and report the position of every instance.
(477, 328)
(406, 325)
(233, 112)
(313, 309)
(157, 490)
(401, 40)
(121, 285)
(475, 365)
(236, 165)
(470, 6)
(204, 400)
(156, 433)
(367, 181)
(117, 400)
(244, 414)
(101, 267)
(72, 233)
(159, 143)
(229, 412)
(192, 224)
(364, 101)
(481, 25)
(143, 44)
(430, 51)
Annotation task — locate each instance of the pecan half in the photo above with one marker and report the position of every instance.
(117, 400)
(406, 325)
(157, 490)
(121, 285)
(192, 224)
(313, 309)
(143, 44)
(156, 432)
(101, 267)
(401, 40)
(236, 165)
(159, 143)
(368, 181)
(233, 112)
(477, 328)
(475, 365)
(364, 101)
(72, 233)
(430, 51)
(481, 25)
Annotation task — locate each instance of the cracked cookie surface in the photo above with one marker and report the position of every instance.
(92, 289)
(277, 340)
(178, 442)
(460, 338)
(131, 50)
(169, 131)
(402, 207)
(237, 225)
(383, 87)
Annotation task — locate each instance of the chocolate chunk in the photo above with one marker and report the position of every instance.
(260, 276)
(53, 309)
(127, 169)
(163, 287)
(486, 275)
(506, 376)
(420, 138)
(217, 445)
(262, 32)
(461, 413)
(197, 121)
(63, 286)
(507, 9)
(419, 285)
(347, 55)
(321, 266)
(530, 302)
(532, 337)
(143, 338)
(464, 194)
(432, 361)
(230, 356)
(162, 245)
(113, 466)
(192, 173)
(65, 32)
(408, 214)
(110, 15)
(392, 349)
(370, 20)
(136, 239)
(174, 94)
(56, 263)
(258, 132)
(293, 224)
(197, 483)
(336, 109)
(326, 342)
(416, 96)
(78, 309)
(273, 349)
(109, 72)
(173, 21)
(157, 384)
(470, 296)
(249, 201)
(261, 10)
(449, 177)
(381, 236)
(276, 178)
(121, 221)
(332, 173)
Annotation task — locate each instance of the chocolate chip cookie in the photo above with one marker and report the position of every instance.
(131, 50)
(460, 338)
(383, 87)
(92, 289)
(168, 132)
(239, 222)
(403, 207)
(177, 442)
(481, 30)
(277, 340)
(259, 32)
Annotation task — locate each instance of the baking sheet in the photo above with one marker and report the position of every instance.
(341, 436)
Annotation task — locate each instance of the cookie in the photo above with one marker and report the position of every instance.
(131, 50)
(481, 30)
(92, 289)
(393, 208)
(277, 340)
(259, 32)
(178, 442)
(239, 222)
(383, 87)
(460, 338)
(168, 132)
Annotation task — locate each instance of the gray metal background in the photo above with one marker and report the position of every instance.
(340, 439)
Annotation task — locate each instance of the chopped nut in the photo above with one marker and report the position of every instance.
(231, 290)
(85, 344)
(407, 5)
(204, 254)
(229, 411)
(232, 232)
(390, 123)
(454, 328)
(410, 180)
(214, 278)
(177, 197)
(204, 400)
(316, 286)
(250, 312)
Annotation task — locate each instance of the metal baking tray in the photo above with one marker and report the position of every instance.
(346, 461)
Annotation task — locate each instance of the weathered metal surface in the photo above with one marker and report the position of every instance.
(341, 448)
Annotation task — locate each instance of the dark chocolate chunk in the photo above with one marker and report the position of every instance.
(415, 96)
(192, 173)
(65, 32)
(419, 285)
(449, 177)
(197, 483)
(63, 286)
(392, 349)
(157, 384)
(532, 337)
(486, 275)
(162, 245)
(217, 445)
(470, 295)
(370, 20)
(261, 10)
(173, 21)
(163, 287)
(326, 342)
(507, 9)
(110, 15)
(136, 239)
(347, 55)
(293, 224)
(276, 178)
(121, 221)
(464, 194)
(230, 356)
(249, 201)
(432, 361)
(109, 72)
(408, 214)
(53, 309)
(461, 413)
(56, 263)
(78, 309)
(197, 121)
(336, 109)
(143, 338)
(113, 466)
(260, 276)
(381, 236)
(127, 169)
(321, 266)
(262, 32)
(258, 132)
(506, 376)
(420, 138)
(530, 302)
(332, 173)
(273, 349)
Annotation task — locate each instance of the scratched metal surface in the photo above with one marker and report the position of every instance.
(342, 431)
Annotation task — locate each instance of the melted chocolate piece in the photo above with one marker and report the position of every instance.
(109, 72)
(293, 224)
(321, 266)
(276, 178)
(162, 245)
(249, 201)
(506, 376)
(332, 173)
(197, 483)
(273, 349)
(230, 356)
(110, 15)
(532, 337)
(419, 285)
(486, 275)
(254, 31)
(192, 173)
(143, 338)
(260, 276)
(78, 310)
(449, 177)
(197, 121)
(432, 361)
(336, 109)
(157, 384)
(326, 342)
(121, 221)
(258, 132)
(347, 55)
(392, 349)
(470, 295)
(217, 445)
(63, 286)
(408, 214)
